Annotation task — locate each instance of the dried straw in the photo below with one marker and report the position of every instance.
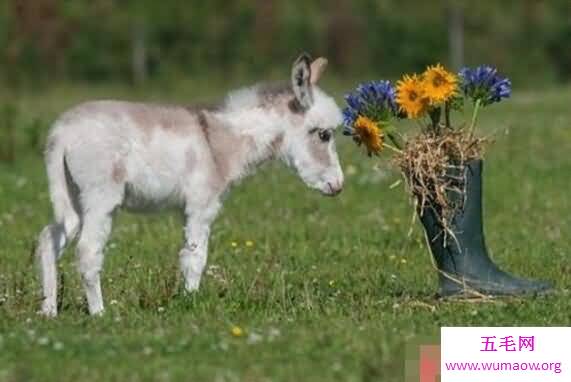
(432, 165)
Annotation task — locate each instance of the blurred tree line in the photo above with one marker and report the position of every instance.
(139, 40)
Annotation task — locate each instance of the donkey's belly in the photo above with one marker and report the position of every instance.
(138, 200)
(150, 189)
(155, 176)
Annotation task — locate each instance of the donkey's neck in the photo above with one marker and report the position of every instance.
(238, 145)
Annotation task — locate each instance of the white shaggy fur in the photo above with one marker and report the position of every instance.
(107, 154)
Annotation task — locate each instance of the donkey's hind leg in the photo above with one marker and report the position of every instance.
(95, 230)
(51, 244)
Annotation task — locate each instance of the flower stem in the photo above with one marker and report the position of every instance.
(447, 114)
(475, 116)
(392, 148)
(435, 119)
(395, 141)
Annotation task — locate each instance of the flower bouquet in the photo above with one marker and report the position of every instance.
(441, 165)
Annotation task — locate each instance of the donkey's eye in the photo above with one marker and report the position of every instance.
(325, 135)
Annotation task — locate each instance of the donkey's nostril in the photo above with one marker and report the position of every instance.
(335, 189)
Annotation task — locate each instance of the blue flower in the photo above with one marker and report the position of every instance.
(484, 83)
(501, 89)
(353, 101)
(378, 93)
(375, 99)
(350, 115)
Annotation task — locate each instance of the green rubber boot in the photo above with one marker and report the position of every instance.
(464, 265)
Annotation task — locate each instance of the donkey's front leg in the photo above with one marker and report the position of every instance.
(195, 252)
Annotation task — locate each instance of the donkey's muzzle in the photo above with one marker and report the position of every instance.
(334, 188)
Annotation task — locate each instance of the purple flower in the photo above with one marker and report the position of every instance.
(375, 99)
(378, 93)
(485, 84)
(350, 115)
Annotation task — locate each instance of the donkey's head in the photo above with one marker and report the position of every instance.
(308, 144)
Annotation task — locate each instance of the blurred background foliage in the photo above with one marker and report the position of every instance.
(136, 41)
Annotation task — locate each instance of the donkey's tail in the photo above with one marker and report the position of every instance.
(55, 236)
(61, 185)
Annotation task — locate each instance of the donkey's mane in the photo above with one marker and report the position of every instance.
(259, 95)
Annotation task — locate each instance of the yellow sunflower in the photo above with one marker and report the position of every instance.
(411, 96)
(368, 133)
(439, 84)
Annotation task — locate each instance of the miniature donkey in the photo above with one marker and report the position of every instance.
(103, 155)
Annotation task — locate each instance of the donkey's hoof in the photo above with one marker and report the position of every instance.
(191, 285)
(48, 311)
(98, 312)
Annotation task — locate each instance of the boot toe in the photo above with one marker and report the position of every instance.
(538, 286)
(501, 284)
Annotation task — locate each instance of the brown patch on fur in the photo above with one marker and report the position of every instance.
(320, 152)
(171, 118)
(271, 90)
(276, 144)
(280, 96)
(203, 122)
(191, 159)
(216, 180)
(229, 150)
(295, 106)
(119, 172)
(197, 108)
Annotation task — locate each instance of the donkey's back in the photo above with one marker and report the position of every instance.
(136, 152)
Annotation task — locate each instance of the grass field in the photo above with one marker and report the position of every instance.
(327, 289)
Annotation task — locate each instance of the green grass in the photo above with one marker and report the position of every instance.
(332, 289)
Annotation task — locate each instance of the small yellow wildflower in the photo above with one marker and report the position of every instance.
(439, 84)
(234, 244)
(403, 261)
(411, 96)
(237, 331)
(249, 243)
(368, 133)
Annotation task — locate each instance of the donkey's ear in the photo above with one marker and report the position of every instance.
(300, 80)
(317, 68)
